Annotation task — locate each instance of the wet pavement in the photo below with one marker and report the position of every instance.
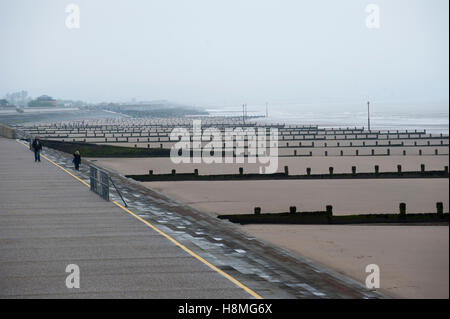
(50, 221)
(270, 271)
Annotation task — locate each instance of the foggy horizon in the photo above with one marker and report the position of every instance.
(291, 55)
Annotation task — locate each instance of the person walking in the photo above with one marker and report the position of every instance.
(36, 146)
(76, 160)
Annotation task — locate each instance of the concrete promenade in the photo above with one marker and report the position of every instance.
(157, 248)
(49, 220)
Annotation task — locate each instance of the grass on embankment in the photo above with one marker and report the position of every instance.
(94, 150)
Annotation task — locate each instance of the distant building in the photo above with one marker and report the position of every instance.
(4, 102)
(43, 101)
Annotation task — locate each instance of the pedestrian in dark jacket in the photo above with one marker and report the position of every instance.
(77, 160)
(36, 146)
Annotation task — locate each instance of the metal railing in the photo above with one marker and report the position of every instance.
(99, 181)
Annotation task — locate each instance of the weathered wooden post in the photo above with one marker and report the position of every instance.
(402, 208)
(440, 209)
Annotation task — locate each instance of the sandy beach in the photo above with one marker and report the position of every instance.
(413, 260)
(297, 165)
(346, 196)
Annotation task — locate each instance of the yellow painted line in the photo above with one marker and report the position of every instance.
(190, 252)
(79, 179)
(59, 166)
(193, 254)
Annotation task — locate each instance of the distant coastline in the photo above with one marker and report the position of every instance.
(434, 123)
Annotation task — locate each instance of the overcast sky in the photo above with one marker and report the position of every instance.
(228, 52)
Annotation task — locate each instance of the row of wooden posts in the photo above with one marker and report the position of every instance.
(388, 152)
(329, 209)
(308, 170)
